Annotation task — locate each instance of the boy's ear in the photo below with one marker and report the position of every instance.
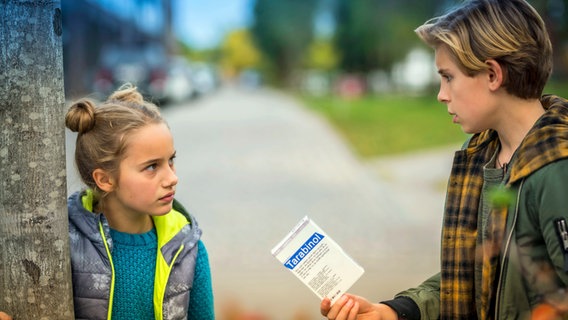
(495, 73)
(104, 180)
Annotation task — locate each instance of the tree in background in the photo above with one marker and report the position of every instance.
(283, 30)
(321, 55)
(203, 55)
(238, 52)
(358, 35)
(374, 34)
(368, 35)
(554, 14)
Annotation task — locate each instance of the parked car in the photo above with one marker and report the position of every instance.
(179, 85)
(205, 77)
(142, 65)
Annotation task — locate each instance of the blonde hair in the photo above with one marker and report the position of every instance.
(508, 31)
(103, 130)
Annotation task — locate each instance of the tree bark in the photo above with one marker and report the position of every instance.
(35, 276)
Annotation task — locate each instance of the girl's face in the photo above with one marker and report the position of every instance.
(468, 99)
(147, 178)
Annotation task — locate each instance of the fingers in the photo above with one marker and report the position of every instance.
(324, 307)
(348, 311)
(344, 308)
(354, 311)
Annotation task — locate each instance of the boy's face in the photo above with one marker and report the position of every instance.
(469, 100)
(147, 178)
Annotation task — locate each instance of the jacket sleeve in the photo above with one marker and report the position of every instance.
(540, 230)
(426, 296)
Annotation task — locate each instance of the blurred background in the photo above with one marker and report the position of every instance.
(318, 46)
(287, 108)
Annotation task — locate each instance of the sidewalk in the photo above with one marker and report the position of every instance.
(418, 179)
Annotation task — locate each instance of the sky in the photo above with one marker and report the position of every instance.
(203, 23)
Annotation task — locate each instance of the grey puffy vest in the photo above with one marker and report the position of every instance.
(178, 235)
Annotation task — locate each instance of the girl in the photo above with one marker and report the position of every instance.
(504, 259)
(135, 251)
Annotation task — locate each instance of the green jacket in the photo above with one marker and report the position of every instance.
(533, 266)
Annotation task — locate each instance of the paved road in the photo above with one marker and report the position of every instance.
(253, 163)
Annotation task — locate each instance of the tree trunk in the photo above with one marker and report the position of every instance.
(35, 276)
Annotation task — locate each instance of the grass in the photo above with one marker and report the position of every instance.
(389, 124)
(558, 88)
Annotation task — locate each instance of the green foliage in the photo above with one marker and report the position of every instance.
(359, 30)
(559, 88)
(239, 53)
(367, 35)
(374, 34)
(389, 124)
(501, 197)
(283, 31)
(205, 55)
(322, 55)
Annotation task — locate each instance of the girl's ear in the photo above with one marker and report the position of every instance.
(495, 74)
(104, 180)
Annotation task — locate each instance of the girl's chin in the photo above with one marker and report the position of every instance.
(163, 211)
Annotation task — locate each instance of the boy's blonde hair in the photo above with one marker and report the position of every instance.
(508, 31)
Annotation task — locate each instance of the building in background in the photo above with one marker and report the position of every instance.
(106, 43)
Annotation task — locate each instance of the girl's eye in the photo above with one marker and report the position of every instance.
(448, 78)
(152, 167)
(171, 161)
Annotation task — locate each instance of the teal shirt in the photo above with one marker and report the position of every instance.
(134, 259)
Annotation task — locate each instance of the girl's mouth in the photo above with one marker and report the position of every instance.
(168, 198)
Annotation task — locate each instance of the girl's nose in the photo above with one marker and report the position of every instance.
(171, 179)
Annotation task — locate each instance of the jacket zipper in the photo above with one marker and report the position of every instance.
(506, 249)
(562, 231)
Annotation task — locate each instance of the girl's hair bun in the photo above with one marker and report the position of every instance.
(81, 116)
(127, 93)
(129, 96)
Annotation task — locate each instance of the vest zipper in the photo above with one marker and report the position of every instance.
(111, 297)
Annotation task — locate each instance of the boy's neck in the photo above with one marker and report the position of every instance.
(521, 117)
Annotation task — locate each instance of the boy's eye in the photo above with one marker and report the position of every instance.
(151, 167)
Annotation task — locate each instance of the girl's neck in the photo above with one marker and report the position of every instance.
(127, 222)
(129, 226)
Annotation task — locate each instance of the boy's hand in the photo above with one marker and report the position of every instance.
(351, 307)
